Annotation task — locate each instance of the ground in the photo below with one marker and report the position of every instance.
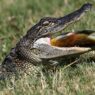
(16, 17)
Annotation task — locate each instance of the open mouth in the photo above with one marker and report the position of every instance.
(70, 46)
(84, 38)
(66, 44)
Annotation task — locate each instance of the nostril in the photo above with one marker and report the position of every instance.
(87, 6)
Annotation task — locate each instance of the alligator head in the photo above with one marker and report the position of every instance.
(51, 26)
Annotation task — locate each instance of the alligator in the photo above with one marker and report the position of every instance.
(39, 47)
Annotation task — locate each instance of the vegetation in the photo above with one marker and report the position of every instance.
(16, 17)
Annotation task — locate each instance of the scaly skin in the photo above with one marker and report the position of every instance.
(24, 54)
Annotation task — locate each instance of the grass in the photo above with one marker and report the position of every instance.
(16, 17)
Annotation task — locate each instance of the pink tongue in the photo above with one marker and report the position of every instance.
(48, 40)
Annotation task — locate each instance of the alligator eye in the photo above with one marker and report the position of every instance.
(45, 22)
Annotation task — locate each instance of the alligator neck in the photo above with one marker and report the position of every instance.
(30, 37)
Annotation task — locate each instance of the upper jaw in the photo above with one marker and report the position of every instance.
(62, 22)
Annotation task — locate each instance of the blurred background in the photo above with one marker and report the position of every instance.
(16, 17)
